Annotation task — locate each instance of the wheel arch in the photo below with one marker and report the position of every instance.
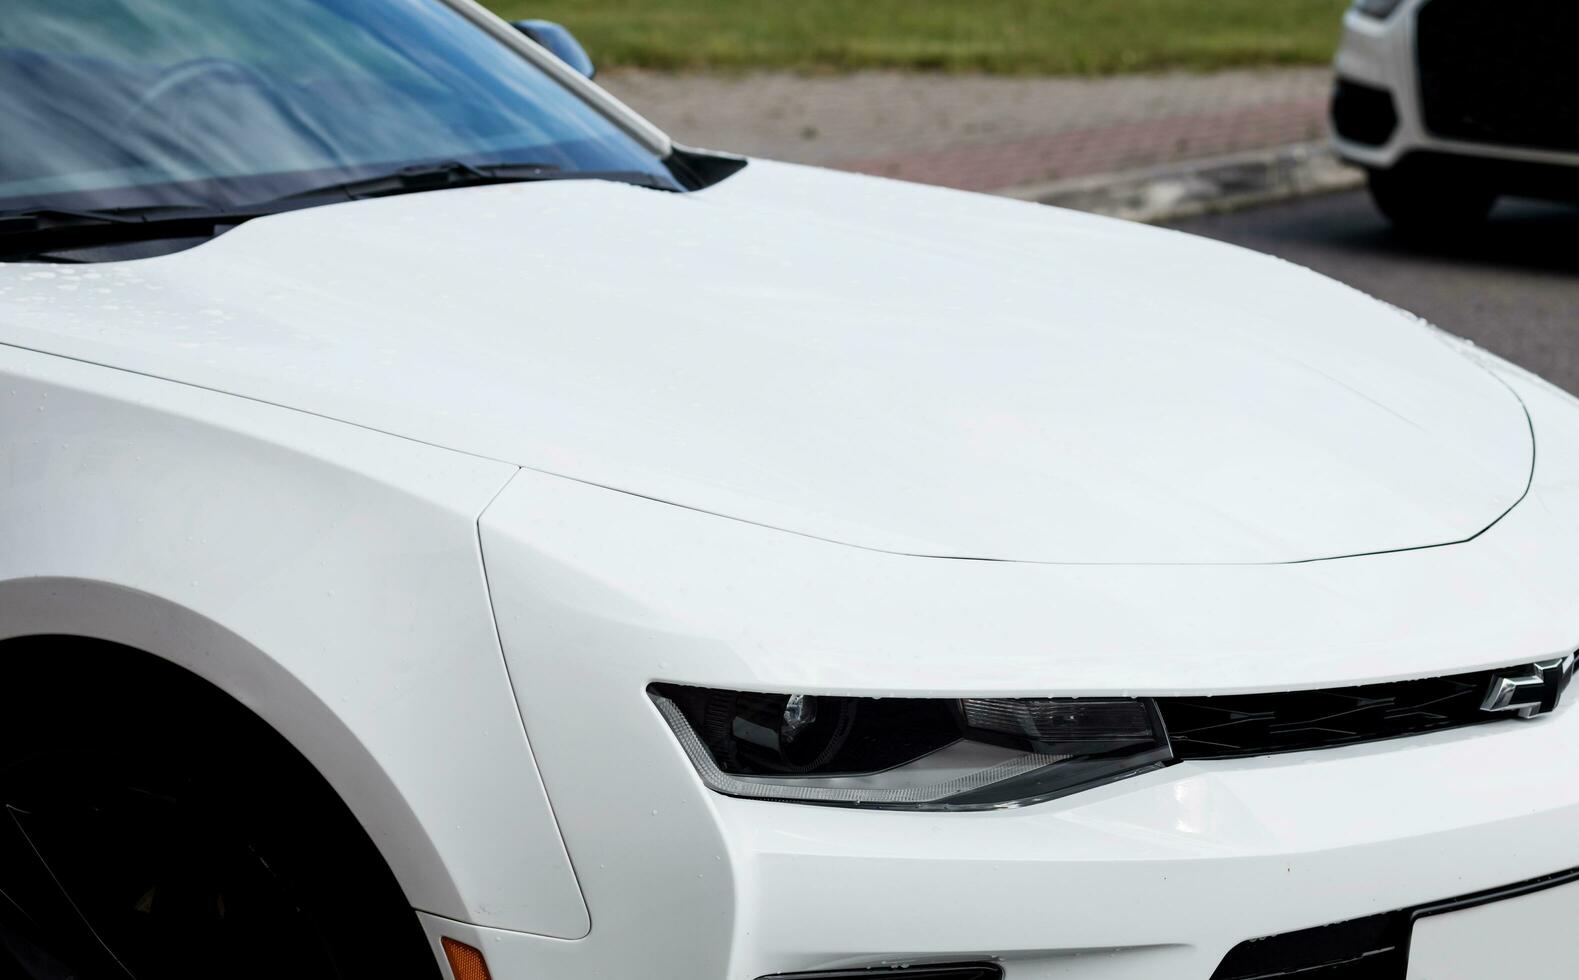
(38, 613)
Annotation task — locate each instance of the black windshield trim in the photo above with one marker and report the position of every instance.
(699, 169)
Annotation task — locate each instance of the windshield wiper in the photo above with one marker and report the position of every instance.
(40, 231)
(35, 232)
(32, 220)
(456, 173)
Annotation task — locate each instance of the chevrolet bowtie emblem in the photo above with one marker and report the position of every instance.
(1532, 690)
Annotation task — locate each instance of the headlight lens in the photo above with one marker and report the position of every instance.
(1380, 9)
(910, 753)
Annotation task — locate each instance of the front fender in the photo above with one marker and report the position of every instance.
(326, 576)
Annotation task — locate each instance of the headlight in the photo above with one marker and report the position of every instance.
(1380, 9)
(910, 753)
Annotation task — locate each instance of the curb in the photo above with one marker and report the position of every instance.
(1181, 190)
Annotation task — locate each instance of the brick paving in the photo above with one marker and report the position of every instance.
(983, 133)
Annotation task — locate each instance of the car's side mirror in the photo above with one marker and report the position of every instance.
(559, 40)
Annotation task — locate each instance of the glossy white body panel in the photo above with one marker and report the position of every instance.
(1381, 53)
(326, 576)
(902, 368)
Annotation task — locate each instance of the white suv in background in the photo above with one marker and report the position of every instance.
(1449, 104)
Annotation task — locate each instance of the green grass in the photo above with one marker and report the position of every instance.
(1059, 37)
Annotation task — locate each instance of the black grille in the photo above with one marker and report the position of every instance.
(1373, 948)
(1503, 73)
(942, 971)
(1257, 724)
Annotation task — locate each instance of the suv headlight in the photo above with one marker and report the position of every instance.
(910, 753)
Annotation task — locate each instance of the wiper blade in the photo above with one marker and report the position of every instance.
(34, 232)
(31, 220)
(457, 173)
(420, 177)
(423, 177)
(39, 219)
(37, 233)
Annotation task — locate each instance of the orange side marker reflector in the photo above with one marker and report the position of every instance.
(466, 962)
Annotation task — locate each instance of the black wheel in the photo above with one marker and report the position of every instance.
(152, 829)
(1425, 198)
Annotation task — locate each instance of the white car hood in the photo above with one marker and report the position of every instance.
(880, 364)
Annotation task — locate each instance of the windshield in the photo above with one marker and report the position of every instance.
(222, 103)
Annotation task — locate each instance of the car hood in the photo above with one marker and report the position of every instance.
(890, 366)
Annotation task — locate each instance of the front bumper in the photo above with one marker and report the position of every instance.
(1380, 55)
(1163, 876)
(1160, 876)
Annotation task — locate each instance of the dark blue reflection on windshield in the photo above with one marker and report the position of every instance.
(116, 103)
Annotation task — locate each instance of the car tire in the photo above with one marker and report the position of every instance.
(1427, 200)
(151, 827)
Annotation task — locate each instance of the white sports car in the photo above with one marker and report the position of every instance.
(1449, 104)
(447, 530)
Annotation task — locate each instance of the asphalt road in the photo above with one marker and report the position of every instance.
(1513, 288)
